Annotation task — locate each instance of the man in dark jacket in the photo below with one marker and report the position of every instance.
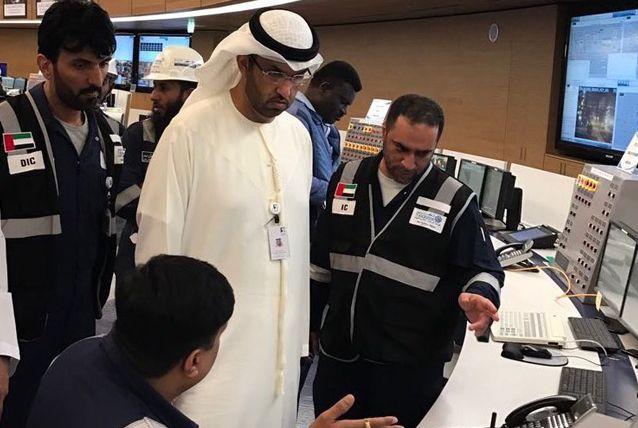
(400, 252)
(57, 178)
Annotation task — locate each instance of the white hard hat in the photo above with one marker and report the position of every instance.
(112, 67)
(175, 63)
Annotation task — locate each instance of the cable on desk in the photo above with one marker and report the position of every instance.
(587, 341)
(562, 272)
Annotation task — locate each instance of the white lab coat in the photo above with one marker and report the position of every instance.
(207, 195)
(8, 336)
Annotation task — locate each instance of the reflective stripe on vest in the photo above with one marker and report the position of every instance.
(113, 124)
(17, 228)
(127, 196)
(8, 119)
(385, 268)
(148, 130)
(484, 277)
(347, 175)
(47, 141)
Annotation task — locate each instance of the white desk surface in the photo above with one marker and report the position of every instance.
(483, 382)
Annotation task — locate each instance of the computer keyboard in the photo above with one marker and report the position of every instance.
(592, 329)
(580, 382)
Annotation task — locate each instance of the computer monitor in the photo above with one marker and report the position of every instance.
(473, 175)
(7, 83)
(3, 69)
(497, 191)
(20, 83)
(629, 315)
(149, 45)
(599, 102)
(446, 163)
(616, 264)
(124, 59)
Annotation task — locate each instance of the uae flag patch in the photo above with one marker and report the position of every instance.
(17, 141)
(345, 190)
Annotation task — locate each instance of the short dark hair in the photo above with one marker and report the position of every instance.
(167, 308)
(417, 109)
(337, 71)
(185, 85)
(73, 25)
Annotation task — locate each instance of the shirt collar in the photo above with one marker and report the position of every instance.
(162, 409)
(304, 99)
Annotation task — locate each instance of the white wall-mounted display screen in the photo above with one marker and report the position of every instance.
(600, 104)
(149, 47)
(124, 58)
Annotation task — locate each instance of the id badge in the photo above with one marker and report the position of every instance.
(118, 155)
(278, 242)
(343, 206)
(25, 162)
(428, 219)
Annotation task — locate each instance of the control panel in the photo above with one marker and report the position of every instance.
(597, 192)
(362, 140)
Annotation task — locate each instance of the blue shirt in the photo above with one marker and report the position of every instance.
(325, 147)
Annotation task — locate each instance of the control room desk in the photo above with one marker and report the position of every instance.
(483, 382)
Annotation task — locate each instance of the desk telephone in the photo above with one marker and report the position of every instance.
(559, 411)
(514, 253)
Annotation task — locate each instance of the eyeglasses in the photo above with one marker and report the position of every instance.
(280, 77)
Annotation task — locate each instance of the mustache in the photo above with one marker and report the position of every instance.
(279, 100)
(90, 90)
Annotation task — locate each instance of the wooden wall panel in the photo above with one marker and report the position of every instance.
(143, 7)
(451, 60)
(19, 48)
(141, 101)
(205, 41)
(173, 5)
(117, 7)
(530, 85)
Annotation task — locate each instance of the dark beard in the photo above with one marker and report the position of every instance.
(160, 122)
(73, 100)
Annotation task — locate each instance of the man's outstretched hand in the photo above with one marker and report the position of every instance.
(328, 419)
(479, 311)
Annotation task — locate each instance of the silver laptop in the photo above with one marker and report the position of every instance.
(530, 327)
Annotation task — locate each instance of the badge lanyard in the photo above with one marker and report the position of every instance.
(276, 211)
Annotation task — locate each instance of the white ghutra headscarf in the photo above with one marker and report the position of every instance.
(277, 35)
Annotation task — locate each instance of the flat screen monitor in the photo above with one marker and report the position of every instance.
(445, 163)
(496, 192)
(3, 68)
(600, 91)
(615, 266)
(629, 316)
(7, 83)
(20, 83)
(149, 46)
(124, 59)
(472, 174)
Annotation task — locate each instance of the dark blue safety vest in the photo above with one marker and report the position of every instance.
(389, 301)
(48, 210)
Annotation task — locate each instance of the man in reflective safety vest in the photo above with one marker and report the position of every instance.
(57, 178)
(174, 79)
(400, 251)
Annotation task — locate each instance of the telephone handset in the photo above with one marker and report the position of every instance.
(531, 412)
(517, 252)
(553, 411)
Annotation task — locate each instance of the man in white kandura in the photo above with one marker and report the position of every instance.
(229, 184)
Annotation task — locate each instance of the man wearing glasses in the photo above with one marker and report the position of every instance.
(228, 184)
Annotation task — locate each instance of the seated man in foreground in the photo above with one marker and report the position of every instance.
(165, 341)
